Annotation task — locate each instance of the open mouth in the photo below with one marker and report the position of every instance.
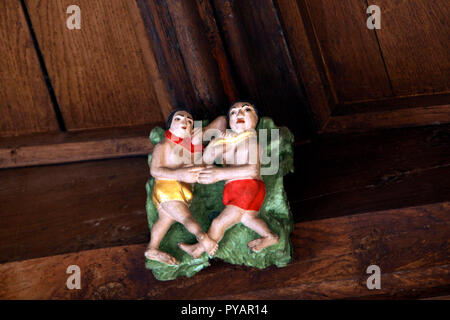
(240, 121)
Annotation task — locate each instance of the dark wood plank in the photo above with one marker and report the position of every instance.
(410, 117)
(161, 88)
(330, 261)
(25, 104)
(439, 298)
(218, 52)
(368, 158)
(260, 57)
(335, 175)
(396, 191)
(414, 39)
(65, 208)
(306, 57)
(411, 284)
(393, 104)
(66, 147)
(344, 174)
(98, 73)
(349, 50)
(201, 67)
(169, 60)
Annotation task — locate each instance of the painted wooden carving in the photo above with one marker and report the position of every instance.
(227, 198)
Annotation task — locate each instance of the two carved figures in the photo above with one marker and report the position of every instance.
(180, 160)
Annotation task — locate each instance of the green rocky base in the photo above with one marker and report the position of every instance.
(207, 204)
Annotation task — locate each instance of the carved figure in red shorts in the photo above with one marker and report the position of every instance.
(244, 190)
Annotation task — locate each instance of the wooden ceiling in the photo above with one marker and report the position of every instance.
(311, 65)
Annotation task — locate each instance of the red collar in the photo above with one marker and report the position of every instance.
(187, 144)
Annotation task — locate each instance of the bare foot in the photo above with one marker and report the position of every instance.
(261, 243)
(153, 254)
(209, 245)
(194, 250)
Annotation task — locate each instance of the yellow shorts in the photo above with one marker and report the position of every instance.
(169, 190)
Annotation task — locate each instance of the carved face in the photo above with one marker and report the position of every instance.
(182, 124)
(243, 117)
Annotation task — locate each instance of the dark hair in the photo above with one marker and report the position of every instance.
(169, 120)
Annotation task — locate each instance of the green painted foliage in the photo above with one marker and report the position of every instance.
(207, 204)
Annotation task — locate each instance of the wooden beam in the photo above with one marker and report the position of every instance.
(75, 146)
(330, 261)
(438, 298)
(410, 284)
(218, 52)
(160, 85)
(395, 191)
(265, 73)
(65, 208)
(168, 57)
(200, 65)
(342, 174)
(390, 104)
(389, 119)
(305, 52)
(339, 175)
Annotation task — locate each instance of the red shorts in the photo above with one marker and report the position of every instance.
(247, 194)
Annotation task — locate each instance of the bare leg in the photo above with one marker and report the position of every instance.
(179, 211)
(229, 217)
(250, 219)
(159, 229)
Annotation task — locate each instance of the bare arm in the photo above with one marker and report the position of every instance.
(244, 171)
(158, 171)
(220, 123)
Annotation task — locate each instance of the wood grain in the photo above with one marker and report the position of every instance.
(330, 261)
(306, 57)
(65, 208)
(67, 147)
(25, 104)
(169, 60)
(396, 191)
(414, 39)
(218, 52)
(359, 122)
(335, 175)
(340, 174)
(99, 73)
(160, 86)
(201, 67)
(350, 51)
(393, 104)
(333, 35)
(265, 73)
